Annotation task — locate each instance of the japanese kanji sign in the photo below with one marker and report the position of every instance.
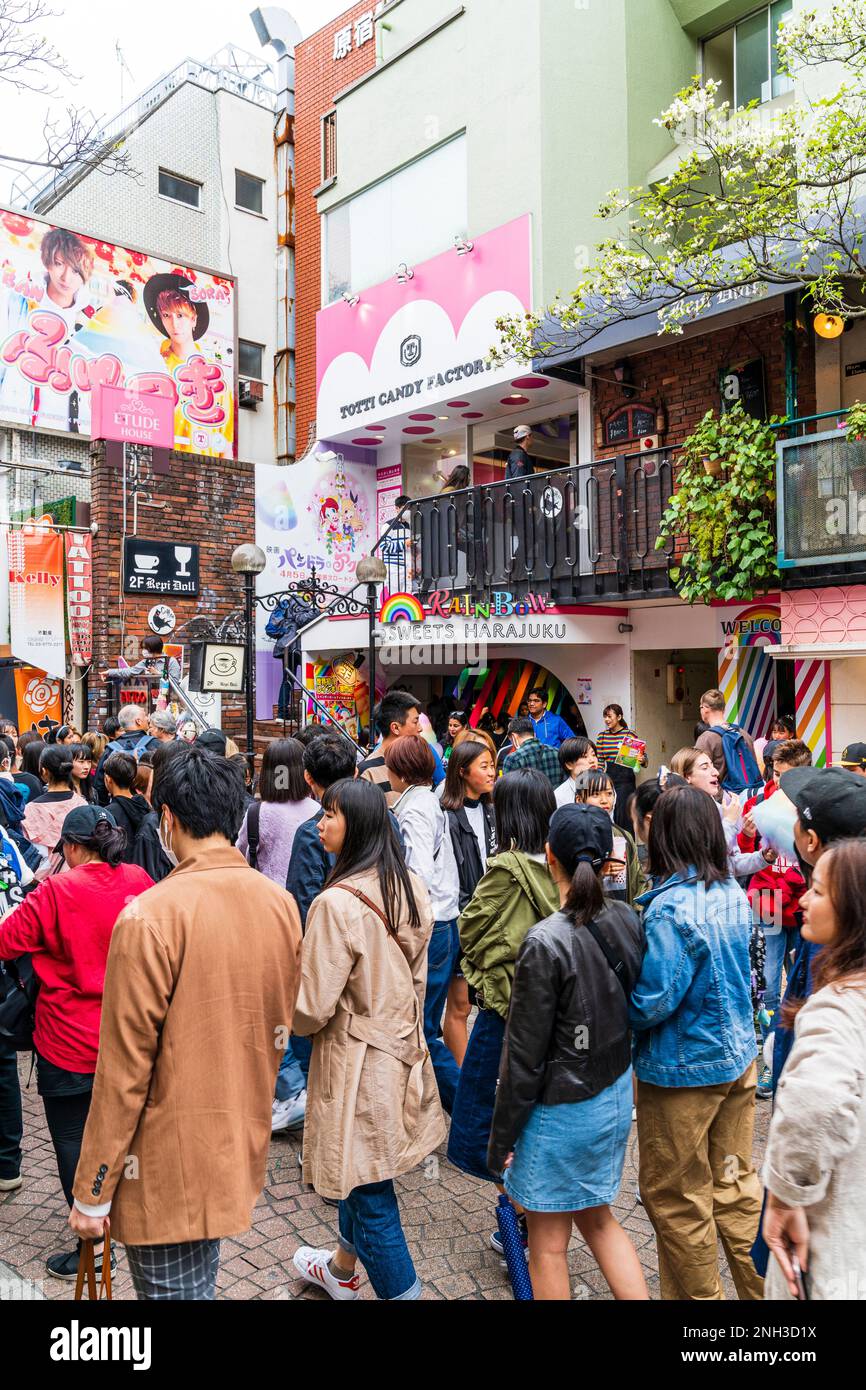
(352, 36)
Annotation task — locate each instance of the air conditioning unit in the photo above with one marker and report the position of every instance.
(250, 393)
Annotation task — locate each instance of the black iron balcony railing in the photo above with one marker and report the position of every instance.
(582, 533)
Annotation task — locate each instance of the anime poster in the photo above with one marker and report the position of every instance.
(76, 312)
(317, 515)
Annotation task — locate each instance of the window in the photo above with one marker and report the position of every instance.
(329, 147)
(409, 217)
(745, 57)
(180, 190)
(249, 192)
(250, 360)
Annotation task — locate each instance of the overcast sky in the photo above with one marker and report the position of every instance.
(154, 36)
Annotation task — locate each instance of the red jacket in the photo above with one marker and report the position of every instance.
(66, 925)
(783, 877)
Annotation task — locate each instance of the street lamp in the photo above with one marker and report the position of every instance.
(250, 561)
(372, 571)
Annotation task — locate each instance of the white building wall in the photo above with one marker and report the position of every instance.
(204, 136)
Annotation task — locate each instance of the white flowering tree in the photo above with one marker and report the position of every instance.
(751, 201)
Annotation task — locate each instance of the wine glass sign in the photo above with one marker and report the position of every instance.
(160, 568)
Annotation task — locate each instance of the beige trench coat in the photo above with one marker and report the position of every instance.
(373, 1108)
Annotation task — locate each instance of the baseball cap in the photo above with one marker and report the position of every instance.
(581, 834)
(831, 802)
(213, 741)
(854, 756)
(522, 432)
(79, 825)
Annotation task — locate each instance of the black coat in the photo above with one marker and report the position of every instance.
(470, 870)
(567, 1037)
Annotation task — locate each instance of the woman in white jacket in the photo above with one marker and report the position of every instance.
(815, 1170)
(430, 855)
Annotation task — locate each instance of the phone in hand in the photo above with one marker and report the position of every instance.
(800, 1278)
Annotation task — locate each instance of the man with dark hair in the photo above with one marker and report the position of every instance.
(177, 1138)
(111, 726)
(550, 729)
(327, 760)
(398, 715)
(528, 752)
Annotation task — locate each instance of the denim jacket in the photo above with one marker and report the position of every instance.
(691, 1009)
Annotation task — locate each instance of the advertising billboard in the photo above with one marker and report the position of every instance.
(77, 312)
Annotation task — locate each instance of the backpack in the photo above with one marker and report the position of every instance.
(742, 772)
(147, 851)
(117, 747)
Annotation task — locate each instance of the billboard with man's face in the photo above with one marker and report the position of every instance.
(76, 312)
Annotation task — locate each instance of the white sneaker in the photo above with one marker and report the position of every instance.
(288, 1114)
(312, 1265)
(11, 1184)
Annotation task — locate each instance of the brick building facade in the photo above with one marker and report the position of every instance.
(684, 375)
(208, 502)
(319, 76)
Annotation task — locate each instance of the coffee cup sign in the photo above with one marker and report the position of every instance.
(223, 668)
(160, 568)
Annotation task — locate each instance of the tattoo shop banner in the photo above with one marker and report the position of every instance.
(79, 595)
(37, 617)
(321, 514)
(76, 313)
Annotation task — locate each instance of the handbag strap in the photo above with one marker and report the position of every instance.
(254, 815)
(616, 963)
(362, 897)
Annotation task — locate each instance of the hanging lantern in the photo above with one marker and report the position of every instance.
(829, 326)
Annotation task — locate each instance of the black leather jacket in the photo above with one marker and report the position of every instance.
(567, 1037)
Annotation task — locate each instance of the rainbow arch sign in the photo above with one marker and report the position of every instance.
(402, 608)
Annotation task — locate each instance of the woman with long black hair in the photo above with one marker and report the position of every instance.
(65, 925)
(373, 1109)
(563, 1106)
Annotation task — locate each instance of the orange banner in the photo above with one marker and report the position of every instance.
(36, 606)
(40, 700)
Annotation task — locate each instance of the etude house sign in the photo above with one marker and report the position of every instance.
(160, 568)
(414, 343)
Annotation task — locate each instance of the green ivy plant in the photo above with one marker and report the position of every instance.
(728, 521)
(857, 421)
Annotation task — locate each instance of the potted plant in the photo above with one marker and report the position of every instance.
(722, 516)
(857, 421)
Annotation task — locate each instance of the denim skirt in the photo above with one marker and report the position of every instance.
(570, 1157)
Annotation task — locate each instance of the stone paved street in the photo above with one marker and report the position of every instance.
(448, 1220)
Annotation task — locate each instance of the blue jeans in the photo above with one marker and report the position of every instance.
(476, 1097)
(370, 1228)
(443, 954)
(782, 947)
(11, 1125)
(291, 1079)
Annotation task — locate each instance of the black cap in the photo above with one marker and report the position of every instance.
(213, 741)
(581, 834)
(831, 802)
(80, 824)
(854, 756)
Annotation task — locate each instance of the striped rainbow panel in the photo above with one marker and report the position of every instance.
(812, 703)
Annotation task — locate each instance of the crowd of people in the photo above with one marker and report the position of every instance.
(504, 946)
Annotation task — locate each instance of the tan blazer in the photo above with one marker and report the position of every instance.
(200, 988)
(373, 1108)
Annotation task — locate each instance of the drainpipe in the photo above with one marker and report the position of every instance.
(792, 381)
(276, 28)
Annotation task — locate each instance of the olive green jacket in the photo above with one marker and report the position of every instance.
(515, 893)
